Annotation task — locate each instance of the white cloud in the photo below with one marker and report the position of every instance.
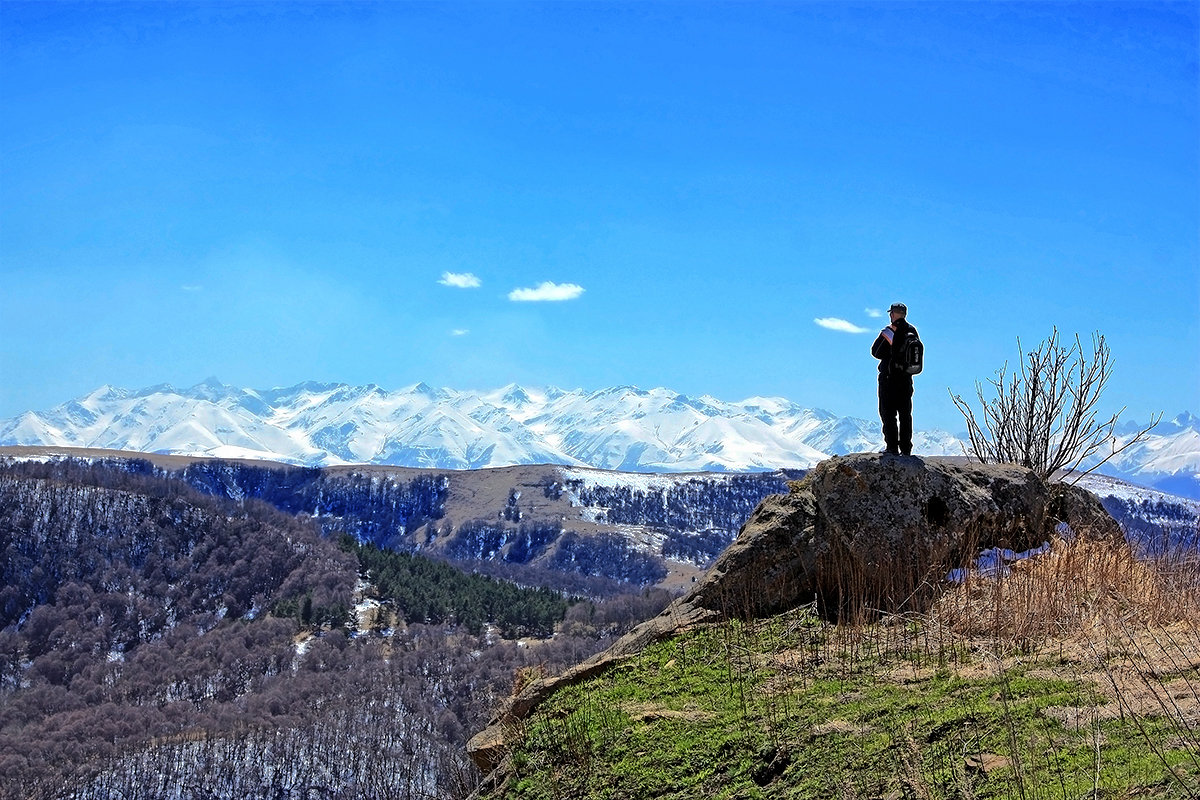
(460, 280)
(835, 324)
(191, 288)
(874, 313)
(546, 291)
(459, 332)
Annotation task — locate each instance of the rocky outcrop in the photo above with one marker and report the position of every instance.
(860, 534)
(878, 532)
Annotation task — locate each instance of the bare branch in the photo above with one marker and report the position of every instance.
(1044, 415)
(1137, 437)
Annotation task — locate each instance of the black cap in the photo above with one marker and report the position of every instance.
(899, 308)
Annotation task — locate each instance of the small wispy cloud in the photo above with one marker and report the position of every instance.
(874, 313)
(191, 288)
(835, 324)
(460, 280)
(547, 291)
(459, 332)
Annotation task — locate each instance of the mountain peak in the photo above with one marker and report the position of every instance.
(622, 427)
(210, 389)
(309, 387)
(1186, 421)
(425, 390)
(620, 391)
(158, 388)
(515, 395)
(105, 393)
(346, 392)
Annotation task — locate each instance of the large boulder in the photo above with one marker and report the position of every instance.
(880, 532)
(860, 534)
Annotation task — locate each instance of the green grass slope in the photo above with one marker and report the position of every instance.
(1077, 676)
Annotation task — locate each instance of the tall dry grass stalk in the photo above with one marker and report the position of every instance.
(1081, 590)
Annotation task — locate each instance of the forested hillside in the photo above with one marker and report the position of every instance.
(1157, 524)
(429, 591)
(583, 532)
(374, 508)
(543, 525)
(698, 517)
(154, 637)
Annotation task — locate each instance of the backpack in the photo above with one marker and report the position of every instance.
(908, 355)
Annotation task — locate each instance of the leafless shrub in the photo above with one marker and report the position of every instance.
(1044, 415)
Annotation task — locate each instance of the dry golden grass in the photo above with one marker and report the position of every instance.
(1081, 593)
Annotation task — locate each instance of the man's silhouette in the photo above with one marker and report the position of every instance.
(895, 384)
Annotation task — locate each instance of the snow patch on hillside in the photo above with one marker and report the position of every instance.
(577, 481)
(1107, 486)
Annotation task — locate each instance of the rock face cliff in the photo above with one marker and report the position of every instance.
(860, 534)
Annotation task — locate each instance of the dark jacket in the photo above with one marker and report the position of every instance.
(882, 349)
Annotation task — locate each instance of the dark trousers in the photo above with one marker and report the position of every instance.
(895, 409)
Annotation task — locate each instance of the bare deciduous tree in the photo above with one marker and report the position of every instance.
(1044, 415)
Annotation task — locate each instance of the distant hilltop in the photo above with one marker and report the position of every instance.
(620, 428)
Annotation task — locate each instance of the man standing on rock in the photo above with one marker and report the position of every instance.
(895, 384)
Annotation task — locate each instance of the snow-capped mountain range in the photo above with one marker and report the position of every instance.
(621, 428)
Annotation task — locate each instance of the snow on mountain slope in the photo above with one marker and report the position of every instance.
(1105, 486)
(621, 428)
(1172, 447)
(1168, 458)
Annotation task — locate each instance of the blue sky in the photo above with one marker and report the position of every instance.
(274, 192)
